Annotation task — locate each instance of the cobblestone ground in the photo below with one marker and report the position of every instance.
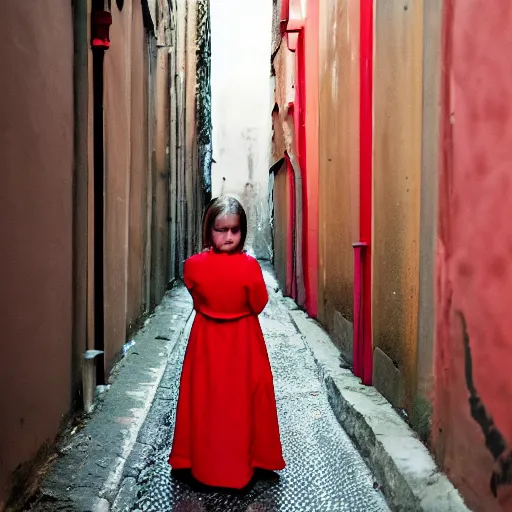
(324, 471)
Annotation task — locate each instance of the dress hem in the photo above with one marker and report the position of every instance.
(186, 464)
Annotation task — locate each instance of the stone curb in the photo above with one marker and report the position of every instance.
(154, 432)
(403, 466)
(93, 467)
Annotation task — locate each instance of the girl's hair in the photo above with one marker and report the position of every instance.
(218, 207)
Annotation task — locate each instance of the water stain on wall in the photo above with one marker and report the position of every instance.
(494, 440)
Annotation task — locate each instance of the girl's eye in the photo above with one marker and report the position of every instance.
(235, 230)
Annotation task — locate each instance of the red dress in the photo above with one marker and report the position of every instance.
(226, 421)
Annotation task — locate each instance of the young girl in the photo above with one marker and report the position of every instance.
(226, 421)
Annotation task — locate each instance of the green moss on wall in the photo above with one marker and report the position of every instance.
(421, 417)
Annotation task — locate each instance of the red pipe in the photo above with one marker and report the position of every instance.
(358, 355)
(363, 350)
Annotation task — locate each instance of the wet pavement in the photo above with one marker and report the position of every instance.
(324, 470)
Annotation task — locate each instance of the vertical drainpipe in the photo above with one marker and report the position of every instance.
(363, 350)
(100, 43)
(360, 249)
(300, 94)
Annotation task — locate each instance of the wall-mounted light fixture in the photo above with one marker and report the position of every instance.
(100, 29)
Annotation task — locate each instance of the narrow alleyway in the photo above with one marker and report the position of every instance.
(368, 143)
(324, 473)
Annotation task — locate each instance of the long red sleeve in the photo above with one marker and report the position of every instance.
(257, 293)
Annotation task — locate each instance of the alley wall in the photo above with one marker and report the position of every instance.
(118, 148)
(283, 176)
(438, 103)
(98, 143)
(421, 412)
(36, 144)
(139, 175)
(473, 389)
(397, 177)
(338, 135)
(282, 196)
(325, 154)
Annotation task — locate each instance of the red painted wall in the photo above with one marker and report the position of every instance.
(474, 256)
(301, 151)
(303, 41)
(311, 48)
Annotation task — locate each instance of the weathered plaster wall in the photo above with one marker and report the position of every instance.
(397, 178)
(48, 200)
(190, 129)
(284, 94)
(295, 133)
(282, 142)
(117, 106)
(181, 85)
(474, 278)
(281, 191)
(36, 201)
(173, 144)
(138, 209)
(241, 108)
(161, 172)
(339, 164)
(83, 162)
(136, 113)
(422, 406)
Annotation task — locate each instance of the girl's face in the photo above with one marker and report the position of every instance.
(226, 234)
